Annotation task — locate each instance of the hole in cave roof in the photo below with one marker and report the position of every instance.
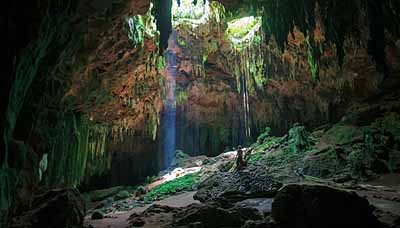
(242, 32)
(190, 12)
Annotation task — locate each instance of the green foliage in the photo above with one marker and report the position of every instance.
(257, 156)
(136, 30)
(299, 140)
(355, 159)
(171, 187)
(389, 122)
(264, 135)
(280, 159)
(122, 195)
(181, 42)
(343, 134)
(313, 59)
(181, 95)
(323, 163)
(217, 11)
(138, 27)
(363, 155)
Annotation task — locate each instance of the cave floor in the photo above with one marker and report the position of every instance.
(119, 219)
(382, 193)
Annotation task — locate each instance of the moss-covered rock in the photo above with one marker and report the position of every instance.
(102, 194)
(343, 134)
(389, 122)
(122, 195)
(325, 163)
(299, 140)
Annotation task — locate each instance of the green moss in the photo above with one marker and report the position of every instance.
(171, 187)
(181, 42)
(136, 30)
(389, 122)
(181, 95)
(313, 59)
(122, 195)
(217, 11)
(343, 134)
(299, 140)
(257, 156)
(264, 135)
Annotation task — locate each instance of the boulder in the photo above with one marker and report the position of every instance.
(299, 206)
(122, 195)
(55, 208)
(213, 214)
(97, 215)
(102, 194)
(141, 190)
(236, 186)
(136, 222)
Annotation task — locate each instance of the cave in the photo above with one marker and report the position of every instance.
(201, 113)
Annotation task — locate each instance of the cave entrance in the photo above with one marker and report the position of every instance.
(190, 12)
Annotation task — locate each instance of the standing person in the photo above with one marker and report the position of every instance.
(239, 158)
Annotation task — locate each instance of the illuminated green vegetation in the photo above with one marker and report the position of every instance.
(139, 27)
(161, 63)
(181, 95)
(166, 189)
(299, 140)
(135, 30)
(312, 60)
(239, 28)
(242, 32)
(189, 9)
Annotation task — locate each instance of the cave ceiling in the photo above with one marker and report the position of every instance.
(121, 82)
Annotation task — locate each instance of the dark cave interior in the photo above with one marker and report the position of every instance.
(186, 113)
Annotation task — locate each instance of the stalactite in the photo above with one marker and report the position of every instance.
(77, 150)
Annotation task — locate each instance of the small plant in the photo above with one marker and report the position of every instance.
(264, 135)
